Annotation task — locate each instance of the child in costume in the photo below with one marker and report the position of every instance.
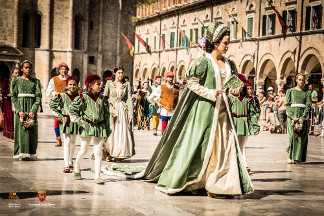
(26, 97)
(245, 116)
(70, 130)
(91, 112)
(55, 86)
(154, 108)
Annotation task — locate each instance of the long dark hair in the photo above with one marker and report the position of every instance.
(117, 68)
(209, 46)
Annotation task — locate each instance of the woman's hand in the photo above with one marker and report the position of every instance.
(256, 133)
(31, 115)
(218, 92)
(22, 114)
(295, 119)
(83, 126)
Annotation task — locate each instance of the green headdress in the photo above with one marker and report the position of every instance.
(215, 31)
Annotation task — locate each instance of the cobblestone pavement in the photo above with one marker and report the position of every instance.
(280, 188)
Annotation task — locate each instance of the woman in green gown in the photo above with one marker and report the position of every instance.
(199, 149)
(26, 97)
(298, 103)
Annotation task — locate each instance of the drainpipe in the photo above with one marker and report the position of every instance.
(258, 47)
(300, 35)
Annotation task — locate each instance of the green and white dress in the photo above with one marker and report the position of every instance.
(298, 105)
(199, 148)
(245, 115)
(26, 97)
(92, 111)
(60, 109)
(121, 143)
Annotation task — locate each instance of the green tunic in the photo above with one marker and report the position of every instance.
(298, 104)
(26, 97)
(245, 115)
(153, 109)
(92, 111)
(182, 154)
(60, 108)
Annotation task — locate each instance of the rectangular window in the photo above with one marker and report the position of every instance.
(233, 30)
(91, 59)
(172, 35)
(138, 46)
(163, 35)
(316, 17)
(146, 40)
(182, 42)
(196, 35)
(191, 34)
(272, 26)
(264, 25)
(154, 42)
(250, 27)
(202, 31)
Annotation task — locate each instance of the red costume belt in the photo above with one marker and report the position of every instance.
(239, 116)
(67, 119)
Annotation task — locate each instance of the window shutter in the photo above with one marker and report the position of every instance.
(264, 25)
(172, 40)
(250, 26)
(196, 35)
(191, 34)
(318, 11)
(284, 16)
(273, 29)
(202, 31)
(154, 42)
(293, 16)
(307, 20)
(163, 35)
(138, 46)
(234, 30)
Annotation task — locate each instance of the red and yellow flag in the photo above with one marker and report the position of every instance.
(130, 45)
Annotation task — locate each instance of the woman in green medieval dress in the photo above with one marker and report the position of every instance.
(26, 97)
(199, 149)
(298, 103)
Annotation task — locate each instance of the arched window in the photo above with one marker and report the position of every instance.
(77, 32)
(38, 29)
(26, 31)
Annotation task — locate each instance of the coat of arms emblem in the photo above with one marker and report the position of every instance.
(41, 195)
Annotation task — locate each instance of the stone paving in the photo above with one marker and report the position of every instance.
(280, 188)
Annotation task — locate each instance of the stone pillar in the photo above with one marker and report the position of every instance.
(45, 42)
(16, 18)
(70, 38)
(118, 53)
(280, 84)
(260, 84)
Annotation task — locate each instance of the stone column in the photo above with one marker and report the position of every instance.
(16, 18)
(281, 84)
(45, 42)
(70, 38)
(118, 32)
(260, 84)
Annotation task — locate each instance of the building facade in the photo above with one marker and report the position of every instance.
(266, 57)
(86, 34)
